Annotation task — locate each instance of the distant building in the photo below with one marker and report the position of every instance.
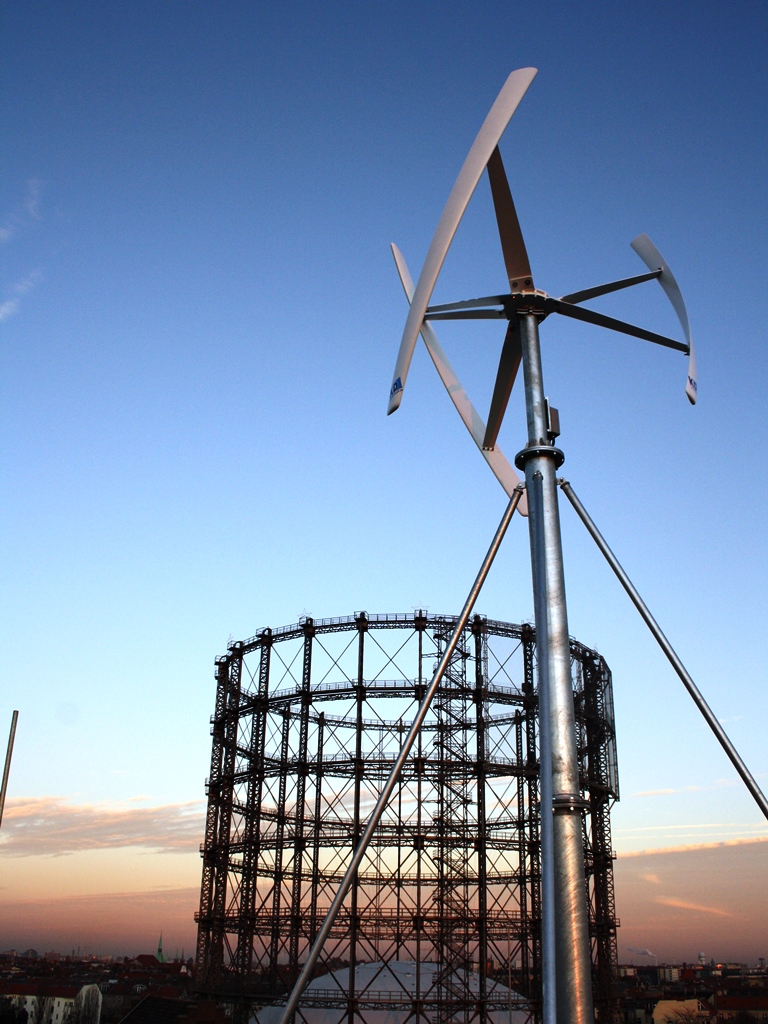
(683, 1010)
(738, 1007)
(56, 1003)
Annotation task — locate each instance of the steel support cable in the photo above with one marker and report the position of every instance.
(666, 646)
(7, 769)
(359, 851)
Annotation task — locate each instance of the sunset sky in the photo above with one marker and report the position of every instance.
(199, 318)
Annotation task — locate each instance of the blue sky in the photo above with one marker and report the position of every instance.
(200, 317)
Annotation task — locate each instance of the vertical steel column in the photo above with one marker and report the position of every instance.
(223, 847)
(205, 915)
(399, 936)
(604, 916)
(530, 961)
(454, 842)
(420, 624)
(274, 949)
(522, 849)
(445, 957)
(301, 788)
(362, 626)
(540, 460)
(317, 824)
(480, 843)
(252, 834)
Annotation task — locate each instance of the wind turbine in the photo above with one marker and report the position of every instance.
(567, 996)
(523, 296)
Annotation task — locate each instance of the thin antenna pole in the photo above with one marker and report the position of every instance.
(362, 846)
(7, 769)
(571, 925)
(666, 646)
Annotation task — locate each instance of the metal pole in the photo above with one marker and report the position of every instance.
(509, 972)
(548, 954)
(362, 846)
(7, 769)
(670, 652)
(541, 460)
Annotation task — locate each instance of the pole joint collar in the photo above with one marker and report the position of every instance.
(535, 451)
(569, 803)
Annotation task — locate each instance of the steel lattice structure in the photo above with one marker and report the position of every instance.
(308, 721)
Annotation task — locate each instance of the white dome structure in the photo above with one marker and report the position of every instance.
(387, 991)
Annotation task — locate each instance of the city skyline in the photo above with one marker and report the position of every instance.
(199, 319)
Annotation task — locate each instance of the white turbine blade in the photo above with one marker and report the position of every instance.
(498, 118)
(653, 259)
(470, 417)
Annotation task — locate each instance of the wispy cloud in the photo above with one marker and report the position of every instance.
(168, 892)
(8, 308)
(692, 847)
(713, 891)
(678, 904)
(18, 289)
(32, 198)
(20, 217)
(51, 826)
(28, 283)
(717, 784)
(657, 792)
(24, 210)
(699, 908)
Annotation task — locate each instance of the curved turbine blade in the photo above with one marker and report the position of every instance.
(496, 459)
(498, 118)
(509, 364)
(653, 259)
(512, 245)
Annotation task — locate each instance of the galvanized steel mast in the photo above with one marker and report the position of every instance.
(564, 862)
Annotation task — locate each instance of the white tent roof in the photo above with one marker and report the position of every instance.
(394, 981)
